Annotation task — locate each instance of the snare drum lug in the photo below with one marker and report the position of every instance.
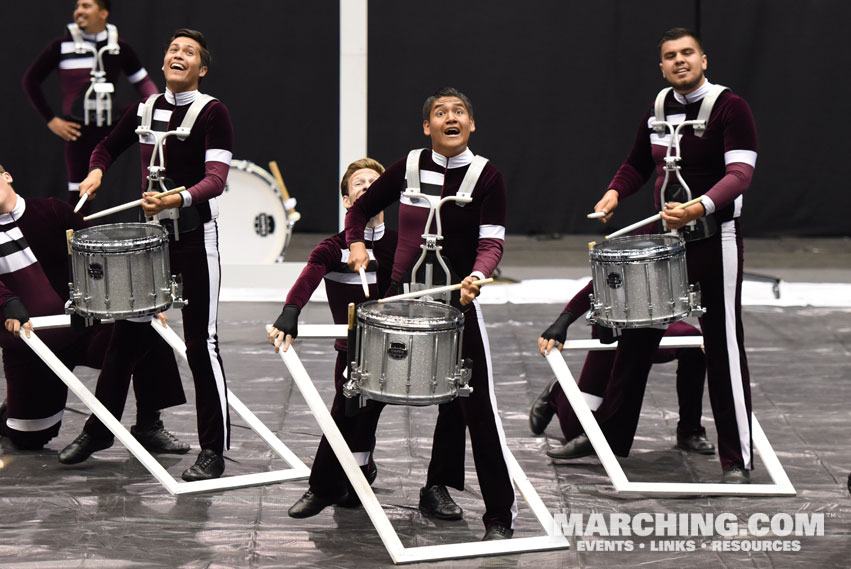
(351, 389)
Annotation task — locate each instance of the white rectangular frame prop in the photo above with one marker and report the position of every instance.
(781, 485)
(398, 552)
(297, 471)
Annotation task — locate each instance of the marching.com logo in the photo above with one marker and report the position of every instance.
(688, 531)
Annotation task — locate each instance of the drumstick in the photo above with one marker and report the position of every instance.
(644, 222)
(276, 173)
(130, 205)
(596, 215)
(436, 290)
(363, 282)
(80, 203)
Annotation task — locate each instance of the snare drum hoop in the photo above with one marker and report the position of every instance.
(396, 315)
(615, 251)
(251, 168)
(154, 237)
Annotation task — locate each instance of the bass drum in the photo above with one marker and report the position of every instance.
(254, 227)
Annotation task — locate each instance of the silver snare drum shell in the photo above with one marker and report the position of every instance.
(254, 227)
(120, 270)
(641, 281)
(409, 353)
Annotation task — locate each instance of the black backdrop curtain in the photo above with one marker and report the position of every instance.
(558, 88)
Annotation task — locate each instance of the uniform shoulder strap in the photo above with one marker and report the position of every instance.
(77, 37)
(192, 115)
(472, 176)
(412, 169)
(659, 110)
(112, 39)
(706, 108)
(148, 111)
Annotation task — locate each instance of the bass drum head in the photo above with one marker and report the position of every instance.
(253, 224)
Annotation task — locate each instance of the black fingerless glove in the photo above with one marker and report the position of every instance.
(287, 322)
(558, 329)
(14, 309)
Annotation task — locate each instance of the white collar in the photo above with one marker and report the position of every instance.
(100, 36)
(695, 95)
(180, 99)
(17, 211)
(457, 161)
(374, 233)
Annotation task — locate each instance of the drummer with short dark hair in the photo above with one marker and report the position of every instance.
(473, 235)
(717, 162)
(327, 262)
(198, 159)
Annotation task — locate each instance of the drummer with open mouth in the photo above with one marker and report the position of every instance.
(717, 162)
(473, 235)
(200, 161)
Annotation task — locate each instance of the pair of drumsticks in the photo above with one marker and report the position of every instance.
(273, 167)
(637, 224)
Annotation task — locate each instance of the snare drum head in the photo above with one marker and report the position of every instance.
(118, 237)
(637, 247)
(410, 315)
(252, 219)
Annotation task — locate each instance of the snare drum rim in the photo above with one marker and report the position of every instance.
(453, 318)
(80, 244)
(669, 246)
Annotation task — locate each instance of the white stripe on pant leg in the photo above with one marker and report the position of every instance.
(730, 265)
(32, 425)
(211, 245)
(503, 447)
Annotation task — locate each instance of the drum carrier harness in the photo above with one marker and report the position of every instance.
(678, 190)
(432, 247)
(156, 172)
(98, 97)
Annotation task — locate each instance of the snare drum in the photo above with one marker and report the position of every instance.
(641, 281)
(409, 353)
(120, 270)
(254, 227)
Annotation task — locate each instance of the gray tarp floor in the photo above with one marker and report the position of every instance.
(109, 512)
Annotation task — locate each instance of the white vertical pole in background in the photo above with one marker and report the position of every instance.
(353, 55)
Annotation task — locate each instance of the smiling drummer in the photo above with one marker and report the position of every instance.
(717, 162)
(473, 244)
(199, 159)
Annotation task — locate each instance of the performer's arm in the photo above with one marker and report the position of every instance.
(556, 334)
(119, 139)
(45, 63)
(383, 192)
(218, 145)
(136, 74)
(632, 174)
(285, 328)
(491, 234)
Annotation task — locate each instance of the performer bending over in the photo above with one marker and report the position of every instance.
(473, 245)
(34, 282)
(328, 261)
(718, 164)
(691, 374)
(199, 161)
(88, 34)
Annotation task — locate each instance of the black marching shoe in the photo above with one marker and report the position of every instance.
(497, 531)
(542, 412)
(736, 475)
(696, 443)
(310, 504)
(577, 447)
(436, 502)
(208, 465)
(351, 499)
(83, 447)
(155, 438)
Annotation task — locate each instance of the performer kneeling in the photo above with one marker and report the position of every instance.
(691, 375)
(34, 282)
(327, 261)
